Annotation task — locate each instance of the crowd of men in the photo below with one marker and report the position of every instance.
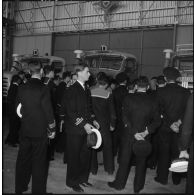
(143, 123)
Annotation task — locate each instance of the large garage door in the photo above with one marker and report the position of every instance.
(146, 44)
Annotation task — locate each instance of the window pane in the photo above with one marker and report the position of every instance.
(111, 62)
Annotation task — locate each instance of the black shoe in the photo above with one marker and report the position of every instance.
(86, 184)
(176, 181)
(136, 191)
(77, 188)
(161, 182)
(112, 185)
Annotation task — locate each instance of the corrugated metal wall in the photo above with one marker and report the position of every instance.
(60, 16)
(26, 44)
(153, 42)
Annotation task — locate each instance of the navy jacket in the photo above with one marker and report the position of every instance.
(77, 109)
(37, 113)
(172, 102)
(140, 111)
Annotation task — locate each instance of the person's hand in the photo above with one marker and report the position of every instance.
(88, 128)
(144, 133)
(52, 135)
(139, 136)
(175, 127)
(111, 128)
(184, 154)
(61, 124)
(96, 124)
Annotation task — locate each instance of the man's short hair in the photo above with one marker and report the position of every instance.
(171, 73)
(142, 82)
(160, 80)
(80, 67)
(66, 74)
(121, 77)
(34, 67)
(47, 69)
(102, 78)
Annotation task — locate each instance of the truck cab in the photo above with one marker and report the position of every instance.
(111, 62)
(21, 63)
(183, 60)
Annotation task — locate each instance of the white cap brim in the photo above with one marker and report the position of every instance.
(179, 167)
(18, 110)
(99, 139)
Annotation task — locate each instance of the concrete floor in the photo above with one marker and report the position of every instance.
(57, 176)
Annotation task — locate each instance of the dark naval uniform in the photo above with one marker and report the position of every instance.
(61, 136)
(118, 96)
(103, 108)
(52, 89)
(14, 120)
(139, 112)
(37, 116)
(76, 107)
(172, 101)
(187, 141)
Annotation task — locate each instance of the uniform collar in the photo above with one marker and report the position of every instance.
(81, 83)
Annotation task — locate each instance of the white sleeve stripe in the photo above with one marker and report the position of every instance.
(101, 96)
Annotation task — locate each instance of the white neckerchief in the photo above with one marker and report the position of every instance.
(82, 84)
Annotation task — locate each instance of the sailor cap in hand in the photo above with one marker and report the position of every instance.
(94, 139)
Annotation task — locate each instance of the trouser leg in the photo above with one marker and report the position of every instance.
(163, 159)
(39, 166)
(23, 166)
(190, 173)
(124, 164)
(94, 161)
(108, 154)
(140, 173)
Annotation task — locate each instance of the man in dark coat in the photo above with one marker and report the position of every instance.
(141, 118)
(103, 108)
(48, 81)
(61, 134)
(76, 107)
(187, 142)
(34, 107)
(118, 96)
(172, 102)
(14, 120)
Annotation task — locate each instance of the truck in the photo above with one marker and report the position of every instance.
(21, 63)
(183, 60)
(111, 62)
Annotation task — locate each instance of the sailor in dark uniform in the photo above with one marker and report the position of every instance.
(14, 120)
(103, 108)
(60, 90)
(118, 96)
(48, 81)
(34, 107)
(141, 118)
(76, 107)
(187, 142)
(172, 102)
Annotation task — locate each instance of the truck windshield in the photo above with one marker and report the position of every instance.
(104, 61)
(111, 62)
(184, 64)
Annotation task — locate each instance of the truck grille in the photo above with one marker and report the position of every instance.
(5, 86)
